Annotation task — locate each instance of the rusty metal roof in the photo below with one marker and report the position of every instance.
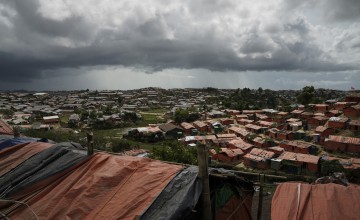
(186, 125)
(306, 158)
(262, 153)
(342, 139)
(253, 157)
(199, 124)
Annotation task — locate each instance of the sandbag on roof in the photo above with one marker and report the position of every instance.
(40, 166)
(20, 140)
(324, 201)
(178, 199)
(103, 187)
(15, 155)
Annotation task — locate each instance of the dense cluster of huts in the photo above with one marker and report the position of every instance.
(295, 142)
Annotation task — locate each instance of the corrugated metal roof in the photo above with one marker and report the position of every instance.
(253, 157)
(226, 135)
(239, 143)
(266, 123)
(186, 125)
(355, 122)
(200, 124)
(320, 129)
(262, 153)
(232, 152)
(338, 119)
(251, 126)
(342, 139)
(306, 158)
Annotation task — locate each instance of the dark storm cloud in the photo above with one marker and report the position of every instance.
(343, 10)
(330, 10)
(187, 37)
(30, 19)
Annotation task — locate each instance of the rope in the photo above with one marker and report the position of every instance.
(21, 203)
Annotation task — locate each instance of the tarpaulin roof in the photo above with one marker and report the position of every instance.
(40, 166)
(324, 201)
(180, 196)
(19, 140)
(102, 187)
(61, 182)
(5, 128)
(13, 156)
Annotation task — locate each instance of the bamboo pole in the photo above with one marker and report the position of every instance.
(204, 177)
(16, 131)
(90, 143)
(259, 211)
(257, 174)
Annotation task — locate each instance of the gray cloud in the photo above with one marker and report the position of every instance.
(343, 10)
(221, 36)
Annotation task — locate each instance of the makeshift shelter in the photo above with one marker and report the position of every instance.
(324, 201)
(5, 128)
(8, 142)
(13, 156)
(60, 181)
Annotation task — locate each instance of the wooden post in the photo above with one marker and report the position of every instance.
(259, 211)
(16, 131)
(204, 177)
(90, 143)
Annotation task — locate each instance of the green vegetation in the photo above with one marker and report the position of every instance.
(174, 152)
(157, 110)
(306, 95)
(64, 119)
(329, 167)
(7, 112)
(120, 146)
(251, 99)
(57, 136)
(184, 115)
(149, 119)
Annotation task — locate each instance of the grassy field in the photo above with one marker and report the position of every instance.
(111, 133)
(150, 119)
(64, 118)
(157, 110)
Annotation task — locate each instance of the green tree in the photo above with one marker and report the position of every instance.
(181, 115)
(329, 167)
(174, 152)
(120, 146)
(84, 115)
(108, 110)
(131, 116)
(120, 100)
(306, 95)
(7, 112)
(93, 114)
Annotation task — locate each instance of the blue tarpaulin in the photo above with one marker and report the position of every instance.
(20, 140)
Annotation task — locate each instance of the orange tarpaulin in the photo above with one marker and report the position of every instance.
(15, 155)
(103, 187)
(5, 128)
(322, 201)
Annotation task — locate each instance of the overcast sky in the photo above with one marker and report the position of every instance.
(126, 44)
